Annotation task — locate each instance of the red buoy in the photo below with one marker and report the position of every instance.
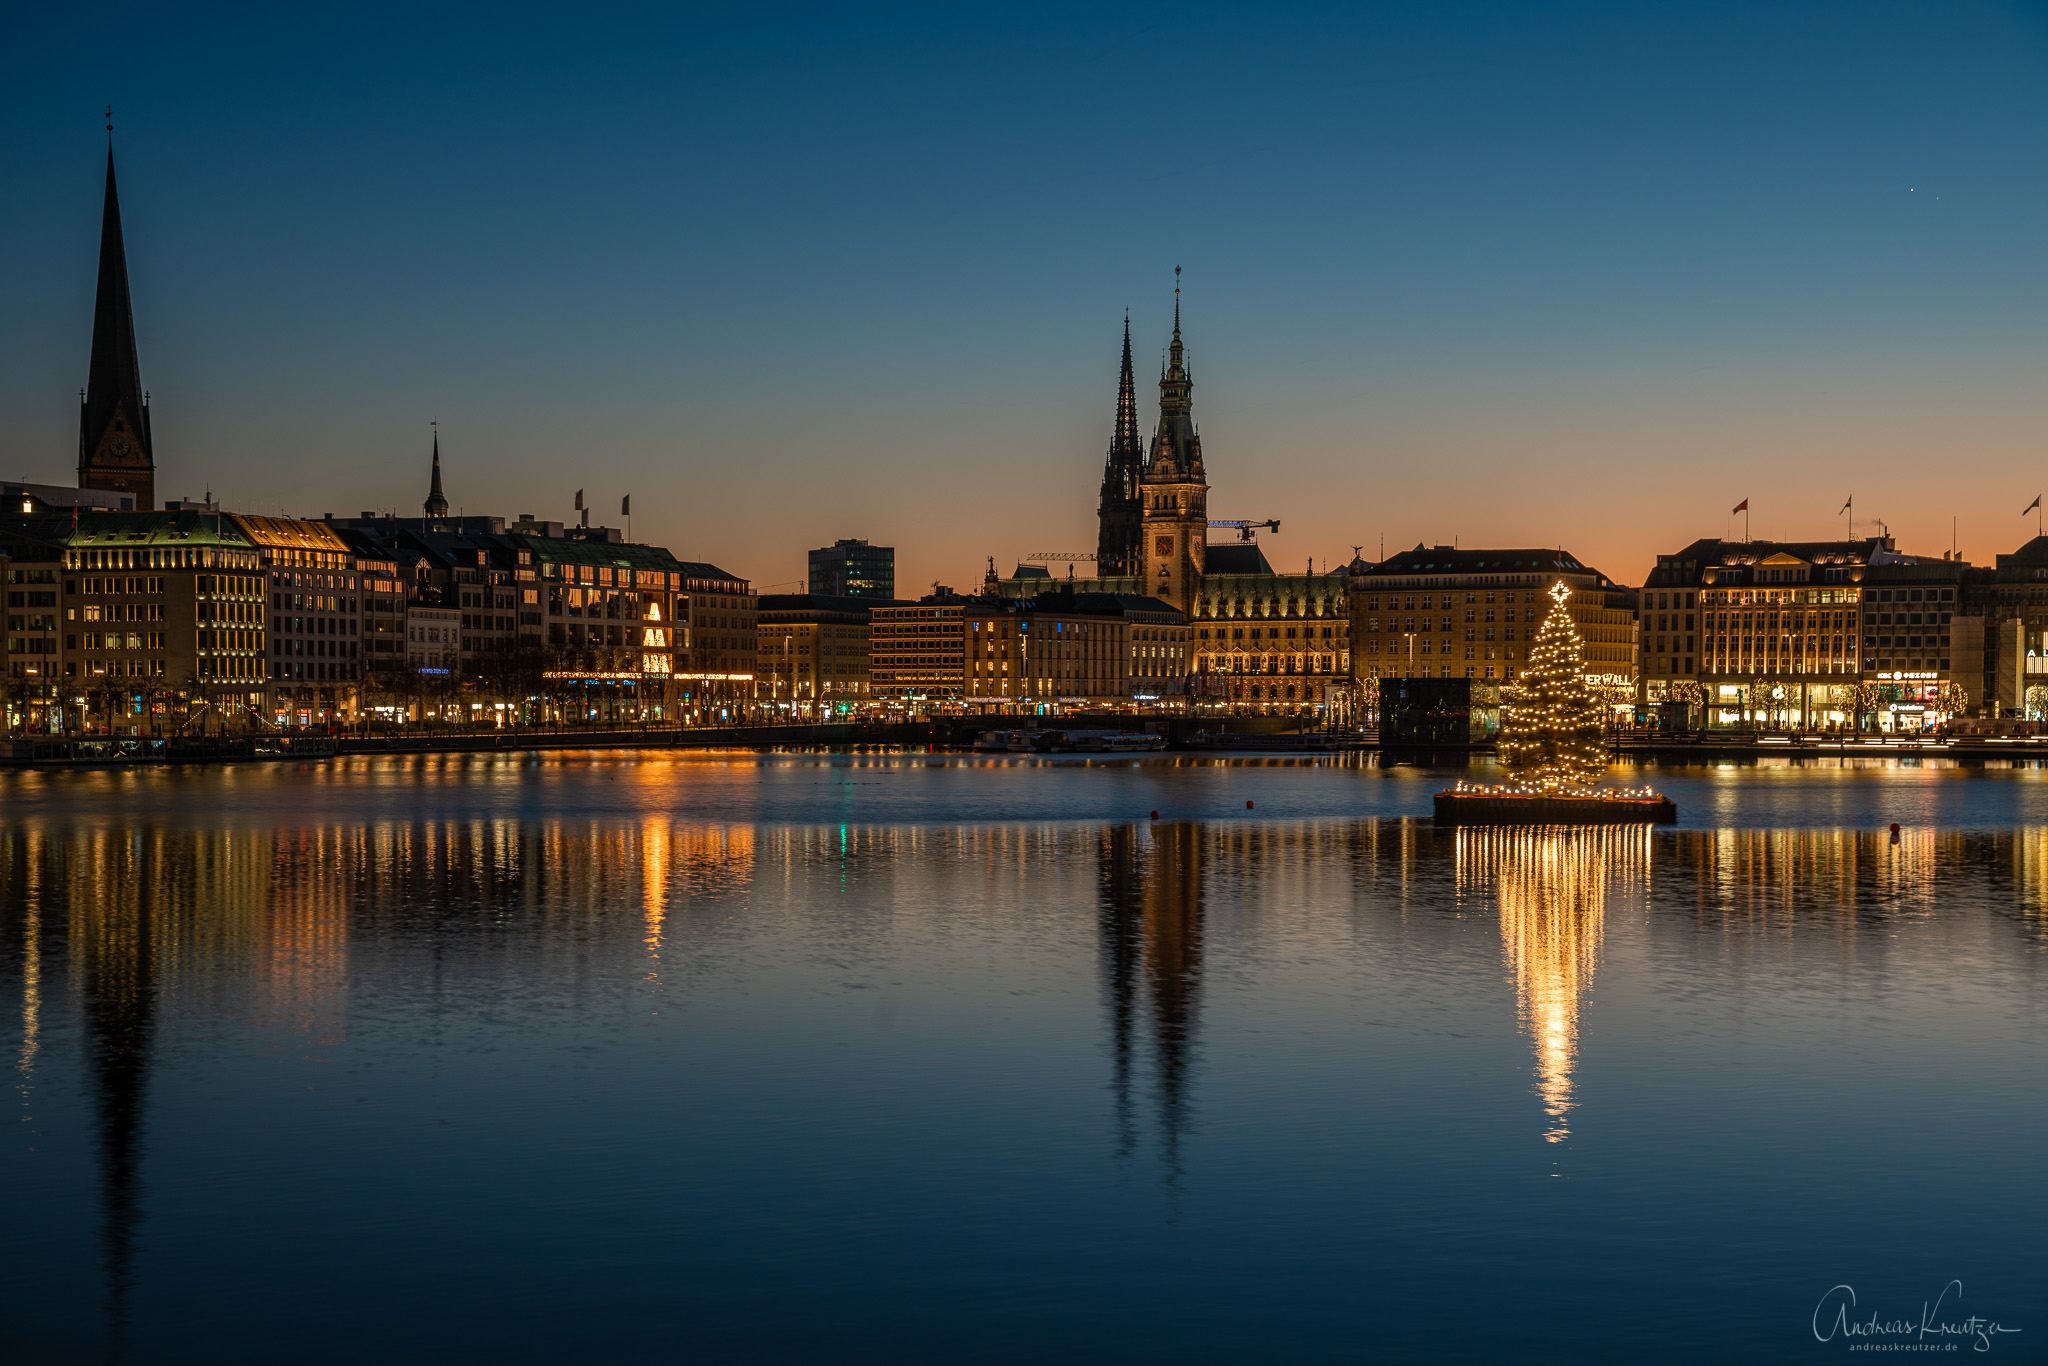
(1155, 815)
(1247, 806)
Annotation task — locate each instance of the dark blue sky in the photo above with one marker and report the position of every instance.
(1585, 275)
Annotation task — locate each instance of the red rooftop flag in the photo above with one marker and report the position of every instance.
(1742, 506)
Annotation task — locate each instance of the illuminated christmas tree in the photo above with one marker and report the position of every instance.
(1551, 731)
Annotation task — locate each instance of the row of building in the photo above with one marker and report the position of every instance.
(119, 611)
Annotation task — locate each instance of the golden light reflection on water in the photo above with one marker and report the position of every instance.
(115, 930)
(1552, 886)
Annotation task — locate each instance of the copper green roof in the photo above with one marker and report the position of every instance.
(102, 529)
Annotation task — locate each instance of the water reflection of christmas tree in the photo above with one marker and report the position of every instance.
(1552, 886)
(1551, 733)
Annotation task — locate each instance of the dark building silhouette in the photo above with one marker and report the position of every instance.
(1119, 546)
(118, 958)
(1150, 927)
(854, 569)
(115, 453)
(436, 506)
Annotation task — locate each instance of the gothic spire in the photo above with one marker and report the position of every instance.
(1176, 446)
(1175, 368)
(114, 446)
(436, 505)
(1120, 514)
(1126, 438)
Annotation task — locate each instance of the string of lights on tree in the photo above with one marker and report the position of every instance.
(1551, 733)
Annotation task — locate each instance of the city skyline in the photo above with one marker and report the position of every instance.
(1588, 353)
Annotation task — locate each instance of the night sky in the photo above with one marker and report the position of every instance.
(1586, 276)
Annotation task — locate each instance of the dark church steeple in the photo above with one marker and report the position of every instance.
(115, 452)
(1119, 547)
(1175, 486)
(436, 505)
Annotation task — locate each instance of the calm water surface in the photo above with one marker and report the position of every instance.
(741, 1058)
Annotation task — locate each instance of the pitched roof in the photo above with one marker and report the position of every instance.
(289, 533)
(1444, 559)
(1234, 557)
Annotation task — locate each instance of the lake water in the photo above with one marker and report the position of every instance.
(907, 1058)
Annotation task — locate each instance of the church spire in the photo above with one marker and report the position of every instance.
(1120, 516)
(1175, 368)
(436, 505)
(1126, 438)
(114, 448)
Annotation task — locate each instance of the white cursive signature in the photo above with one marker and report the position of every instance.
(1843, 1298)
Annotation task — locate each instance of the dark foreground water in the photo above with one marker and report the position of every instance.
(711, 1059)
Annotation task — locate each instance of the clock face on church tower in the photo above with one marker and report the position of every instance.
(1163, 546)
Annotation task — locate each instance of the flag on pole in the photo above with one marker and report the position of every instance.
(1742, 506)
(626, 506)
(2031, 506)
(579, 500)
(1846, 506)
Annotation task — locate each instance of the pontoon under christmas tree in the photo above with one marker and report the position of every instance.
(1552, 744)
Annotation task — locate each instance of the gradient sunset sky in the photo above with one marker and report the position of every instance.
(1514, 275)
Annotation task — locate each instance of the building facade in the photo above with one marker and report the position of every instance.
(853, 569)
(1447, 612)
(314, 644)
(1816, 634)
(812, 653)
(133, 622)
(1265, 642)
(918, 650)
(719, 614)
(2011, 600)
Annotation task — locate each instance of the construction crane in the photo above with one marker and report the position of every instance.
(1245, 529)
(1055, 558)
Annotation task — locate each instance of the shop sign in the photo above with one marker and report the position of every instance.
(1906, 677)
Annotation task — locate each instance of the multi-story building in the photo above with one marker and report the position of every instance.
(2010, 599)
(1447, 612)
(853, 569)
(159, 615)
(315, 637)
(1264, 641)
(1063, 649)
(383, 594)
(1783, 632)
(1057, 650)
(919, 649)
(719, 615)
(32, 554)
(812, 652)
(433, 641)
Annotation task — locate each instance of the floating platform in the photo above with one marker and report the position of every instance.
(1513, 808)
